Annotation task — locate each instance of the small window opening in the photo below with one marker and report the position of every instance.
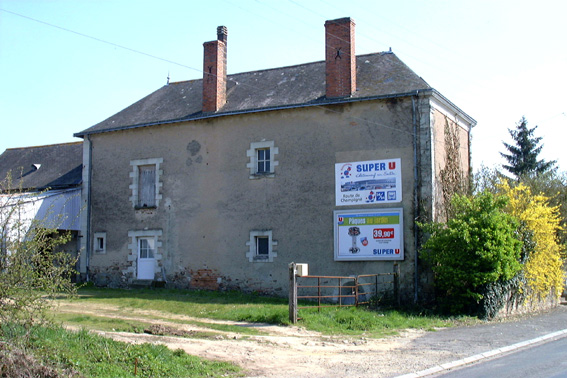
(262, 247)
(100, 244)
(263, 160)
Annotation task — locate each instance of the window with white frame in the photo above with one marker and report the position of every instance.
(145, 183)
(99, 242)
(262, 160)
(261, 246)
(146, 247)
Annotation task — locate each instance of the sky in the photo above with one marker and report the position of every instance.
(66, 65)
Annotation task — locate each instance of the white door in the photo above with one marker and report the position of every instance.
(146, 260)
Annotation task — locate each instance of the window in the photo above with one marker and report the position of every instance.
(262, 159)
(146, 248)
(100, 242)
(145, 184)
(261, 246)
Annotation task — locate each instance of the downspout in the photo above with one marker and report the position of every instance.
(90, 176)
(416, 162)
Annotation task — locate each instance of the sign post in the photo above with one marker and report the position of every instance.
(292, 293)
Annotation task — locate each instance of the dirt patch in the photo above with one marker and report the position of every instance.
(280, 351)
(161, 330)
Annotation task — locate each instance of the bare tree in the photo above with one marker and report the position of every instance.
(33, 267)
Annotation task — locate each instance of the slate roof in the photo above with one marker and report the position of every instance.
(378, 75)
(57, 166)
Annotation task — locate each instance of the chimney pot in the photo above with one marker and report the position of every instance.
(222, 34)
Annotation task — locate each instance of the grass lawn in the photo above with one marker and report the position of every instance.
(86, 354)
(238, 306)
(136, 310)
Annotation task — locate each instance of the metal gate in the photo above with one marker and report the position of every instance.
(338, 291)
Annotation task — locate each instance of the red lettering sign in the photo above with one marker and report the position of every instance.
(383, 233)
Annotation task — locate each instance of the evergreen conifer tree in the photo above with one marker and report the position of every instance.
(523, 155)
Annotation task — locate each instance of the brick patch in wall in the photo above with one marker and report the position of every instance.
(207, 279)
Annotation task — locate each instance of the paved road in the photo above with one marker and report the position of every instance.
(547, 360)
(465, 342)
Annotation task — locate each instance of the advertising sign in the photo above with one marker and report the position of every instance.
(362, 235)
(368, 182)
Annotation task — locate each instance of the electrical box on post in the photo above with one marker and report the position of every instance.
(302, 269)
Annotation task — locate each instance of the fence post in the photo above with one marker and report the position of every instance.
(318, 294)
(397, 283)
(356, 291)
(376, 286)
(340, 294)
(292, 294)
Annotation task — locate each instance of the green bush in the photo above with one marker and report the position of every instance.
(476, 248)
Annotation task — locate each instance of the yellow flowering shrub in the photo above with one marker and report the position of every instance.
(543, 268)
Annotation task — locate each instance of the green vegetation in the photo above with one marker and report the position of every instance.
(506, 241)
(33, 267)
(522, 156)
(543, 266)
(370, 323)
(237, 306)
(128, 310)
(118, 324)
(477, 247)
(101, 323)
(551, 184)
(95, 356)
(231, 305)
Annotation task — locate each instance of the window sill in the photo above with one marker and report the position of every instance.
(265, 258)
(145, 207)
(262, 175)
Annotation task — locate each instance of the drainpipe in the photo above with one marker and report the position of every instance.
(416, 161)
(90, 176)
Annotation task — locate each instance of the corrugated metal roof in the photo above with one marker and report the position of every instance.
(379, 74)
(60, 209)
(56, 209)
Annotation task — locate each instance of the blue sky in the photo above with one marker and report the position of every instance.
(66, 65)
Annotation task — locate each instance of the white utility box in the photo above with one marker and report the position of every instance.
(302, 269)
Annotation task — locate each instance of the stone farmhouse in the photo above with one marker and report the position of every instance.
(221, 182)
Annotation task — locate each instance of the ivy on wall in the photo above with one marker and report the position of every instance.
(453, 179)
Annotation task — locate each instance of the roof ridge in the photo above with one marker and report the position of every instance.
(282, 67)
(43, 145)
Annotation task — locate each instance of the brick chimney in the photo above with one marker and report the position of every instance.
(214, 72)
(340, 59)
